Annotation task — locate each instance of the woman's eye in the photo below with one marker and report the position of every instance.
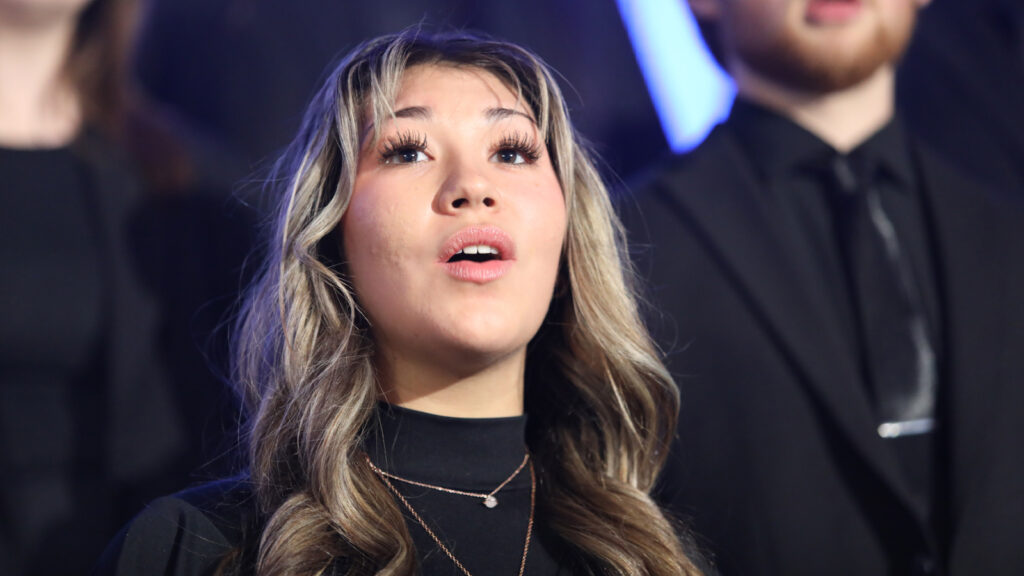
(405, 156)
(516, 148)
(508, 156)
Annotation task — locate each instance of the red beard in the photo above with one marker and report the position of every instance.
(798, 63)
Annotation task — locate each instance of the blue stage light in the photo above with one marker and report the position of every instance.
(689, 91)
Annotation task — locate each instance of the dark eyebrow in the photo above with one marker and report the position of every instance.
(418, 112)
(496, 114)
(492, 114)
(424, 113)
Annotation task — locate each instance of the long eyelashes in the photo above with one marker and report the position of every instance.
(519, 143)
(401, 144)
(405, 146)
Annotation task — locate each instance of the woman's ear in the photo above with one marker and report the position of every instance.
(705, 9)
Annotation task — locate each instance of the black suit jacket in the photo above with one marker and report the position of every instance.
(778, 467)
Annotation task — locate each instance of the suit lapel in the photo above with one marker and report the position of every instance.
(772, 267)
(975, 262)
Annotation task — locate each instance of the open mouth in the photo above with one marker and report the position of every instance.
(476, 253)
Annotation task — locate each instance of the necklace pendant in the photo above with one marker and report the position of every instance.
(491, 502)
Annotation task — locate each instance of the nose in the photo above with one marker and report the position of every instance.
(466, 188)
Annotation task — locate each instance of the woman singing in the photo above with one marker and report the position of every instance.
(442, 362)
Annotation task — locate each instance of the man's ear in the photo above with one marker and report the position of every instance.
(710, 9)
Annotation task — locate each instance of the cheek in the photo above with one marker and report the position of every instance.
(375, 233)
(373, 226)
(549, 215)
(901, 19)
(754, 26)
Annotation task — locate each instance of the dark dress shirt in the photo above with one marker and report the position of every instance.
(792, 165)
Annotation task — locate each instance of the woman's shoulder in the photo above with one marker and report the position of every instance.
(186, 534)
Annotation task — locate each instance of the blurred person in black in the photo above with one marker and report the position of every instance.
(841, 307)
(110, 242)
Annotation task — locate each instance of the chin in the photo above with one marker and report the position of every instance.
(823, 63)
(488, 344)
(483, 342)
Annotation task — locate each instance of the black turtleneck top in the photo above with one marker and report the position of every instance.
(187, 534)
(469, 455)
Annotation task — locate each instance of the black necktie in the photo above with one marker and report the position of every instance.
(898, 355)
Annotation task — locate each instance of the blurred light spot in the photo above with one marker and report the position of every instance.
(689, 91)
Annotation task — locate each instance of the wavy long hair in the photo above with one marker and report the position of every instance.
(602, 406)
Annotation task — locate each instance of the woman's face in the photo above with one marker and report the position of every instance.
(455, 227)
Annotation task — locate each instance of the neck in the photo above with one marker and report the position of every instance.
(843, 119)
(494, 390)
(38, 106)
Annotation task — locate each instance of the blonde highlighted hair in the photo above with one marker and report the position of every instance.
(602, 406)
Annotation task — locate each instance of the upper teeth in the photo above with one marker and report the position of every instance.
(479, 249)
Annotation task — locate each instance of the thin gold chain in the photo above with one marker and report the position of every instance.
(529, 526)
(480, 495)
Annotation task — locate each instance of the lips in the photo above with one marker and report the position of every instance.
(478, 254)
(832, 11)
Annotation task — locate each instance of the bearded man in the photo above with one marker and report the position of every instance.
(842, 310)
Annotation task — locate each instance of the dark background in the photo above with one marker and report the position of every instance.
(242, 71)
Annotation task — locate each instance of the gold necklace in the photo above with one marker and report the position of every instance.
(529, 526)
(489, 500)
